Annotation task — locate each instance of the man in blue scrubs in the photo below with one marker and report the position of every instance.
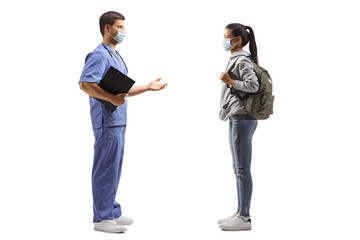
(108, 126)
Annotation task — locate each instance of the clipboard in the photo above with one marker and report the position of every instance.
(114, 82)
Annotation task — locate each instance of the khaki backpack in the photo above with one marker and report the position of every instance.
(259, 105)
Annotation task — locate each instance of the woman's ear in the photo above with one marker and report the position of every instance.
(239, 40)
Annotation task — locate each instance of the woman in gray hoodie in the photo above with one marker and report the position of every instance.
(238, 81)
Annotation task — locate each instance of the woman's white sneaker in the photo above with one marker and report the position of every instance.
(227, 219)
(236, 224)
(109, 226)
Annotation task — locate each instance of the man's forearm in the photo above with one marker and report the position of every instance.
(138, 89)
(94, 90)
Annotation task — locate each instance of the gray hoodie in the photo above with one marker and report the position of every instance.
(245, 82)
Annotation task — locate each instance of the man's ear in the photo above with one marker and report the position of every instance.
(107, 28)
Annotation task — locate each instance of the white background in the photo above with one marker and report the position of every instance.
(177, 176)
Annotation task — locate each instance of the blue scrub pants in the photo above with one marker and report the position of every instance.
(108, 157)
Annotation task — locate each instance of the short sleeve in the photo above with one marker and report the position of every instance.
(94, 68)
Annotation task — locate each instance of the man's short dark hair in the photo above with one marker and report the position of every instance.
(109, 18)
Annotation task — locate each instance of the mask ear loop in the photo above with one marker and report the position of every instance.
(109, 31)
(230, 40)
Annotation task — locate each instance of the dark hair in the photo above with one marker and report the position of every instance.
(237, 30)
(109, 18)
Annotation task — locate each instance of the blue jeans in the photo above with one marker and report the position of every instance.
(106, 172)
(241, 130)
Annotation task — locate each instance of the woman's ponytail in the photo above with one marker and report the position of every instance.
(252, 45)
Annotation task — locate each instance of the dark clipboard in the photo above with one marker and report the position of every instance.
(114, 82)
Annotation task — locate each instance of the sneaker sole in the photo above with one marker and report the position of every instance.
(110, 230)
(240, 229)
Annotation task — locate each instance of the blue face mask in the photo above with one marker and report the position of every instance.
(226, 44)
(120, 36)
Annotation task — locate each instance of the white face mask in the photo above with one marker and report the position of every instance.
(120, 36)
(226, 44)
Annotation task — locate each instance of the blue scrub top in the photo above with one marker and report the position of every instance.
(96, 64)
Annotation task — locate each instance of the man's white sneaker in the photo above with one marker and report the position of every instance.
(227, 219)
(122, 220)
(236, 224)
(109, 226)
